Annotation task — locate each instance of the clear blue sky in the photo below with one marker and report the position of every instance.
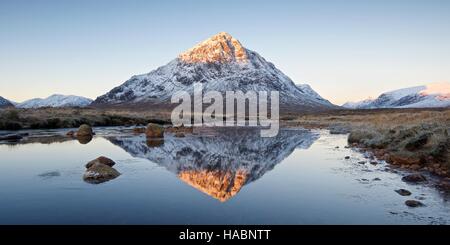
(346, 50)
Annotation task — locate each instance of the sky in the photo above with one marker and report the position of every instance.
(346, 50)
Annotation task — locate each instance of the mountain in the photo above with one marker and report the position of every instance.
(56, 100)
(218, 161)
(358, 104)
(5, 103)
(220, 63)
(426, 96)
(308, 91)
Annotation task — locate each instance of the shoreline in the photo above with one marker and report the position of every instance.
(413, 139)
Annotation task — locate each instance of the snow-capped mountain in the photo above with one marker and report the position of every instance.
(220, 63)
(5, 103)
(426, 96)
(56, 100)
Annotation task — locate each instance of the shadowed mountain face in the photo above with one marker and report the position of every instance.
(220, 161)
(5, 103)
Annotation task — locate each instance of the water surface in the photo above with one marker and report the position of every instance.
(226, 176)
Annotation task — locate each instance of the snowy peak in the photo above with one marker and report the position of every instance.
(221, 64)
(426, 96)
(220, 48)
(56, 100)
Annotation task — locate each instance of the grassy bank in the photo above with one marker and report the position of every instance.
(414, 138)
(45, 118)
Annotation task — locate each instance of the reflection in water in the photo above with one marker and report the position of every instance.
(155, 142)
(51, 174)
(218, 162)
(218, 184)
(84, 139)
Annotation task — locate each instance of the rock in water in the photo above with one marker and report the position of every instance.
(84, 130)
(98, 172)
(102, 160)
(403, 192)
(414, 178)
(413, 203)
(154, 131)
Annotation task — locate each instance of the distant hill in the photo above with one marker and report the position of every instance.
(426, 96)
(56, 100)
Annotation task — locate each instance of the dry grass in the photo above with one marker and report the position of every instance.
(372, 118)
(14, 119)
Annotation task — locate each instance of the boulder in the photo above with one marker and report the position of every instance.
(413, 203)
(84, 130)
(101, 160)
(154, 131)
(99, 173)
(414, 178)
(403, 192)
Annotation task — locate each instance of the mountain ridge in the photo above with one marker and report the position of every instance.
(425, 96)
(56, 100)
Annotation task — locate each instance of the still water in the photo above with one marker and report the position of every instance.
(229, 176)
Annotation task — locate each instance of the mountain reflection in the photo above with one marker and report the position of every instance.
(218, 162)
